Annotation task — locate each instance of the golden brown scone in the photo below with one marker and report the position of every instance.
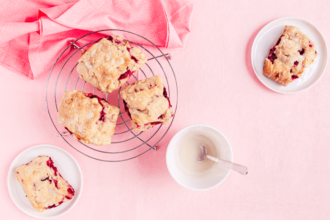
(147, 103)
(108, 64)
(288, 58)
(43, 185)
(87, 117)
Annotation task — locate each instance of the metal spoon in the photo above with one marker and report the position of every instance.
(233, 166)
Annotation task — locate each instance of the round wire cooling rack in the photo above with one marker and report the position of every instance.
(126, 143)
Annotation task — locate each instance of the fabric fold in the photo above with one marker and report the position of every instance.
(34, 34)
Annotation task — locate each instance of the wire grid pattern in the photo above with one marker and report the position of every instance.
(135, 136)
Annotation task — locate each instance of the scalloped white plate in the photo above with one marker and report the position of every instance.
(266, 39)
(67, 167)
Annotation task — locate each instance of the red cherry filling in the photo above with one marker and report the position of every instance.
(55, 182)
(277, 75)
(293, 77)
(128, 74)
(296, 63)
(302, 51)
(54, 206)
(126, 109)
(272, 56)
(28, 163)
(151, 123)
(117, 41)
(279, 40)
(156, 123)
(71, 191)
(114, 40)
(50, 163)
(134, 58)
(51, 206)
(165, 95)
(102, 113)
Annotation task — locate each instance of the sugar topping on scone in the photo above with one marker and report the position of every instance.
(43, 185)
(87, 117)
(147, 103)
(109, 63)
(287, 59)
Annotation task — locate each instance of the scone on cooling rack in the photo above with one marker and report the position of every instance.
(108, 64)
(287, 59)
(43, 185)
(147, 104)
(87, 117)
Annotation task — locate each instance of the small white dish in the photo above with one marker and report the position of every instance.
(267, 37)
(68, 168)
(204, 181)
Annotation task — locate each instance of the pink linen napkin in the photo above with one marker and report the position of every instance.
(33, 33)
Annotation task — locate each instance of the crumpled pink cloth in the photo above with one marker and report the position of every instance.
(33, 33)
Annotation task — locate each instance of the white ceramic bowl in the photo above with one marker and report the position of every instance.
(205, 181)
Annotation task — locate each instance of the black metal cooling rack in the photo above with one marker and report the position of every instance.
(126, 143)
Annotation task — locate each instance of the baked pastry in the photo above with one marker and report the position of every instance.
(108, 64)
(287, 59)
(43, 185)
(87, 117)
(147, 104)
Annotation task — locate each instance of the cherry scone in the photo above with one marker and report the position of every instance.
(109, 63)
(43, 185)
(89, 118)
(147, 104)
(287, 59)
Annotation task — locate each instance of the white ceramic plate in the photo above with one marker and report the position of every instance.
(68, 168)
(266, 39)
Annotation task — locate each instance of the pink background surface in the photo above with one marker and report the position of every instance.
(283, 139)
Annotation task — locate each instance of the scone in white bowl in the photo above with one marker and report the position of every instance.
(204, 181)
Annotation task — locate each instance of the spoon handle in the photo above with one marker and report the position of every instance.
(236, 167)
